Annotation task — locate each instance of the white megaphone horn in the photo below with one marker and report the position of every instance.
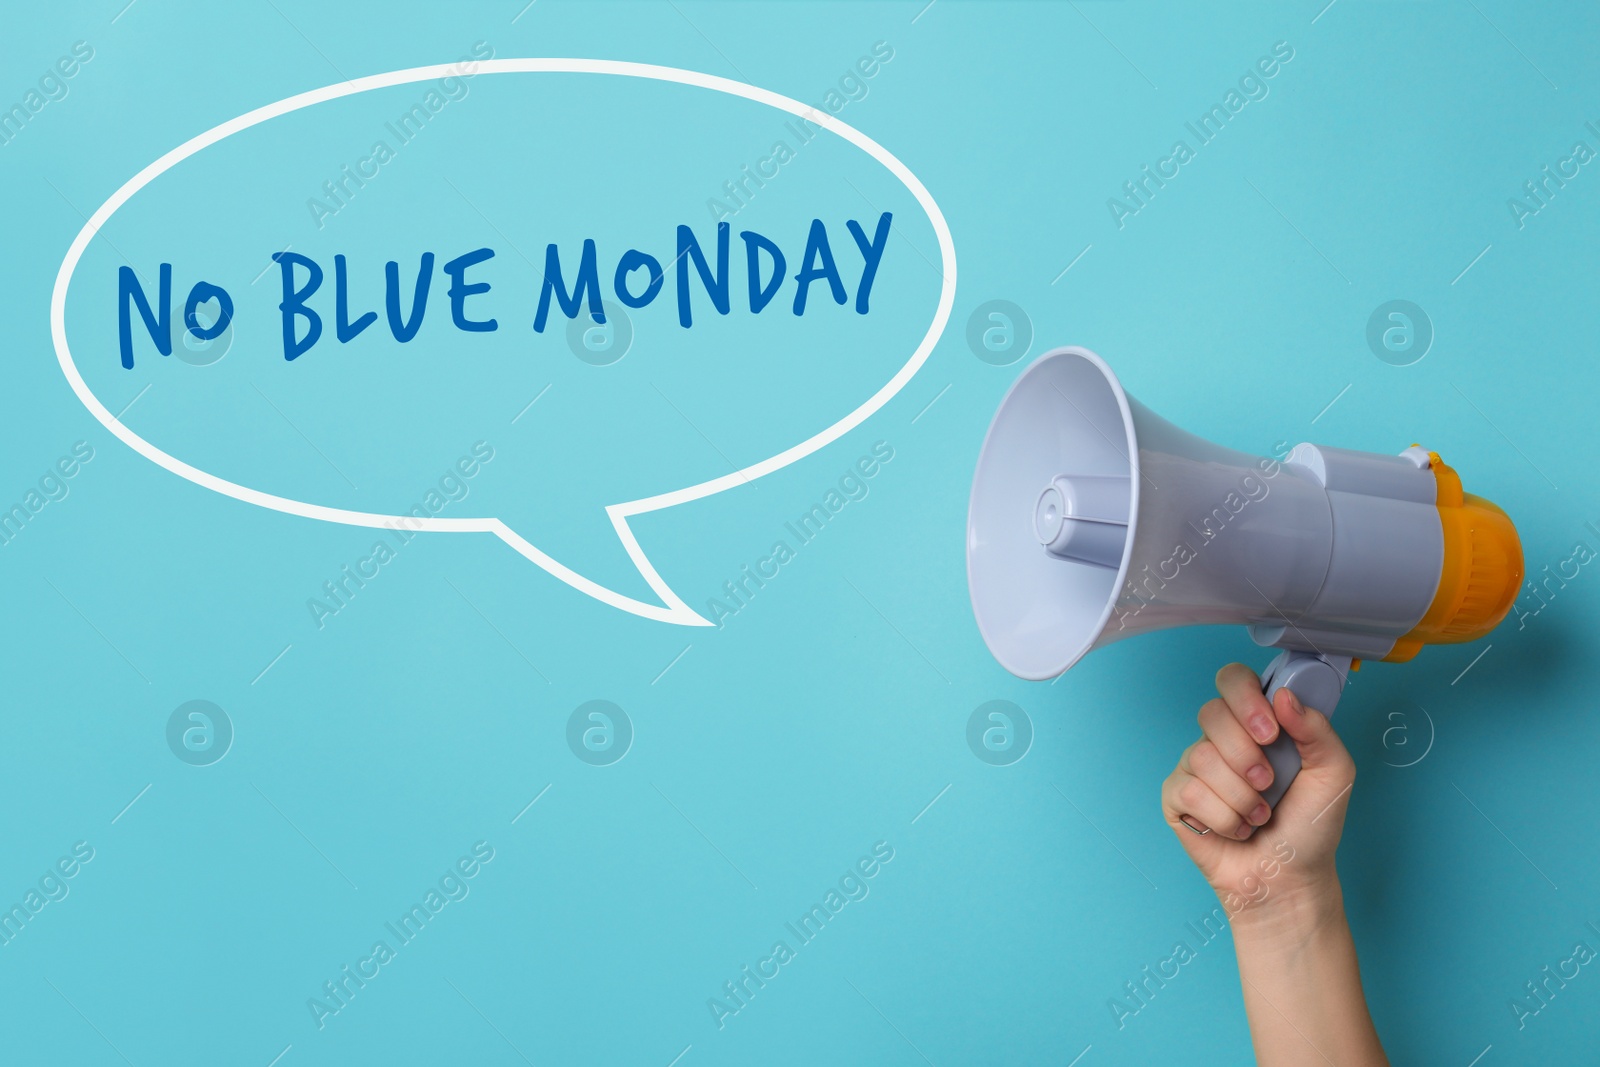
(1093, 519)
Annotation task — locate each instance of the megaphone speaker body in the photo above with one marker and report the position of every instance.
(1093, 519)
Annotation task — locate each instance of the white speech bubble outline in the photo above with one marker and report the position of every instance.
(672, 608)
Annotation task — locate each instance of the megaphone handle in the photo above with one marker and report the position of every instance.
(1318, 681)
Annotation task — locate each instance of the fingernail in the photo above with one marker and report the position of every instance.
(1245, 831)
(1261, 814)
(1259, 776)
(1261, 727)
(1294, 701)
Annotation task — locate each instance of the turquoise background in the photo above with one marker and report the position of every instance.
(830, 713)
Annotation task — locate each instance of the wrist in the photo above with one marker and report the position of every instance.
(1292, 918)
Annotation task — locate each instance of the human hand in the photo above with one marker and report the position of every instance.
(1250, 862)
(1276, 879)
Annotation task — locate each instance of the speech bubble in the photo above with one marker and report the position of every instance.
(672, 608)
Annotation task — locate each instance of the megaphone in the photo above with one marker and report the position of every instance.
(1093, 519)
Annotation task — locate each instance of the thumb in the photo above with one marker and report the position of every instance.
(1313, 734)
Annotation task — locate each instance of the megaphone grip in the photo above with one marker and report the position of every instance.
(1318, 681)
(1284, 758)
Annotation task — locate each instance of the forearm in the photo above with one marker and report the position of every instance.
(1302, 985)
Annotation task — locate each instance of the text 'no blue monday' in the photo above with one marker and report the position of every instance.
(636, 281)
